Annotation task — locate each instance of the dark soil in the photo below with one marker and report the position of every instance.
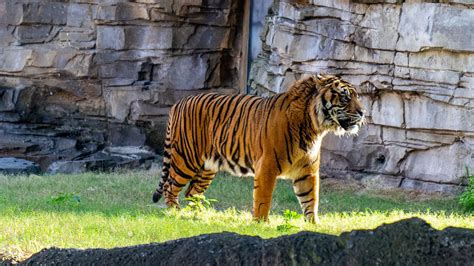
(407, 242)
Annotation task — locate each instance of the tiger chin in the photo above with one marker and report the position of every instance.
(268, 138)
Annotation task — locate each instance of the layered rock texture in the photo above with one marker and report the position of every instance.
(77, 76)
(414, 64)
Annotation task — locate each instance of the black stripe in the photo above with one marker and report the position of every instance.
(306, 201)
(303, 144)
(288, 152)
(265, 112)
(315, 160)
(278, 163)
(186, 162)
(225, 133)
(283, 103)
(270, 108)
(304, 193)
(176, 183)
(290, 135)
(301, 179)
(188, 141)
(194, 130)
(198, 189)
(222, 103)
(194, 126)
(187, 153)
(210, 178)
(184, 139)
(323, 102)
(180, 172)
(241, 125)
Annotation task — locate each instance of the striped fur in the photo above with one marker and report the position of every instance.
(278, 136)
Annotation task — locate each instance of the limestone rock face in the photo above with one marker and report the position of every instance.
(77, 76)
(413, 62)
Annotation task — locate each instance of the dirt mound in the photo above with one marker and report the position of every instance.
(410, 241)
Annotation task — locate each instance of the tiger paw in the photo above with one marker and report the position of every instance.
(312, 219)
(172, 203)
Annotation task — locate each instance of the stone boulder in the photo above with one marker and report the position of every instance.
(407, 242)
(10, 165)
(110, 158)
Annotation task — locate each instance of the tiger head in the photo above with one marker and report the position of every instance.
(338, 105)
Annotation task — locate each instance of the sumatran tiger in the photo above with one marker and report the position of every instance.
(277, 136)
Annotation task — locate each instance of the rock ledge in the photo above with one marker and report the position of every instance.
(406, 242)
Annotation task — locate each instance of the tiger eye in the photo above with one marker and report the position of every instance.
(345, 99)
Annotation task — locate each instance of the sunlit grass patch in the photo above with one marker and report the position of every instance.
(115, 209)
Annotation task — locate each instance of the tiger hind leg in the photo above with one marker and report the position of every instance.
(200, 183)
(174, 185)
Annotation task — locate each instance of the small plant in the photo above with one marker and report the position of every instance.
(199, 203)
(65, 199)
(467, 197)
(288, 216)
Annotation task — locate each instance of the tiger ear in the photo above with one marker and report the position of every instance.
(319, 79)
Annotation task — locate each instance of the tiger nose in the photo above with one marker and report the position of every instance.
(361, 112)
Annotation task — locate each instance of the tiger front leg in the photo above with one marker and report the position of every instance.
(306, 188)
(264, 184)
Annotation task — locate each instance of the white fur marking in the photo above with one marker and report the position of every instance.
(211, 165)
(226, 166)
(316, 147)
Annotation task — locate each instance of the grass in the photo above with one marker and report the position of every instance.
(115, 209)
(467, 197)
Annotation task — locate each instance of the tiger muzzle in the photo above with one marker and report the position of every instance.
(350, 123)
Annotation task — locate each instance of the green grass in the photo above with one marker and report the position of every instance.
(109, 210)
(467, 197)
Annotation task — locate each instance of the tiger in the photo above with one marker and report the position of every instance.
(264, 137)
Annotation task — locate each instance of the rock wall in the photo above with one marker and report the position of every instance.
(76, 76)
(414, 64)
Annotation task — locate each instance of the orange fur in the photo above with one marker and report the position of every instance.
(278, 136)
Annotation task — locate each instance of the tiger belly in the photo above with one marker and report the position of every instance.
(231, 167)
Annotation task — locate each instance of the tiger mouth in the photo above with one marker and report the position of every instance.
(347, 124)
(350, 125)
